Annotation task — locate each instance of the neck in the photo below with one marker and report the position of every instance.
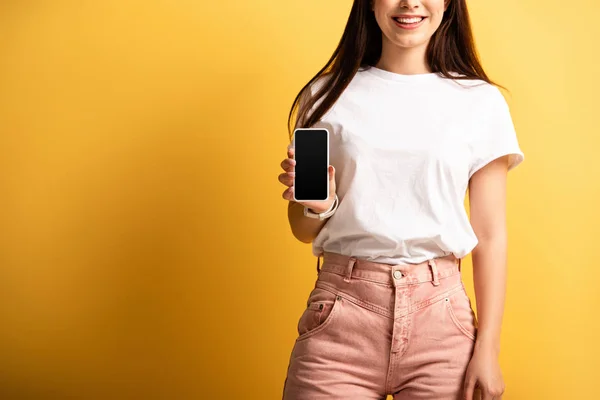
(403, 60)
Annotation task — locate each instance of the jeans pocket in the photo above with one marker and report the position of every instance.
(461, 313)
(320, 310)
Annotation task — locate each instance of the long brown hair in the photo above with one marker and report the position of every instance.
(451, 49)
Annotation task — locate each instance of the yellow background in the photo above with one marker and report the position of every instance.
(145, 251)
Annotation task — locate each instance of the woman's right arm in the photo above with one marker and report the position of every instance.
(305, 229)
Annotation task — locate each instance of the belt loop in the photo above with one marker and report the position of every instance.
(318, 265)
(434, 272)
(348, 275)
(321, 254)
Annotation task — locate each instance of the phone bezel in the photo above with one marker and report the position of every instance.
(294, 145)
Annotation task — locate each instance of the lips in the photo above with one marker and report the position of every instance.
(397, 18)
(418, 21)
(408, 16)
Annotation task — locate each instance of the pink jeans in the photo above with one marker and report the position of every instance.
(372, 329)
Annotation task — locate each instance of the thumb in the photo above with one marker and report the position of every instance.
(331, 171)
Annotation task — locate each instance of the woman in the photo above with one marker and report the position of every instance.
(414, 122)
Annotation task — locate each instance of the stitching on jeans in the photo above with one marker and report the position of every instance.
(323, 325)
(368, 306)
(360, 278)
(385, 312)
(435, 299)
(389, 377)
(458, 324)
(350, 298)
(443, 274)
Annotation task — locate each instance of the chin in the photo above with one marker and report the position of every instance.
(410, 44)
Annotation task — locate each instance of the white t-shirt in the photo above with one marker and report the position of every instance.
(404, 148)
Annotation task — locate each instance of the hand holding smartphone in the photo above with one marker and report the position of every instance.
(310, 177)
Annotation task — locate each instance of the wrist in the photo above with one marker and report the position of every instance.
(322, 214)
(328, 205)
(487, 343)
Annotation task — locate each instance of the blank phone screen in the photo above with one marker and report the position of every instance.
(311, 152)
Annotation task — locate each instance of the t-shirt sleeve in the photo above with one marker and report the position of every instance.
(495, 136)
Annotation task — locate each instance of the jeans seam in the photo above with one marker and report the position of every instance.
(359, 278)
(360, 303)
(456, 322)
(443, 274)
(435, 299)
(328, 320)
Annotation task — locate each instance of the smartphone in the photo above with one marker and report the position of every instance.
(311, 152)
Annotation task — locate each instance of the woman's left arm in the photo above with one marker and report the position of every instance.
(487, 200)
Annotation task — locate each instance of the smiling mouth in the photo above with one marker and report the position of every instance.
(408, 21)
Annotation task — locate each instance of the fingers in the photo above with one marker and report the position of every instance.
(288, 164)
(469, 389)
(287, 178)
(288, 194)
(486, 395)
(492, 394)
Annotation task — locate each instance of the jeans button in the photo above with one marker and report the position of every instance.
(397, 274)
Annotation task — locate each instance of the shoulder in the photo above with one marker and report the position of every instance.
(491, 99)
(484, 91)
(482, 95)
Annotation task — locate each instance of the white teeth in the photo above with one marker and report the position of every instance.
(408, 20)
